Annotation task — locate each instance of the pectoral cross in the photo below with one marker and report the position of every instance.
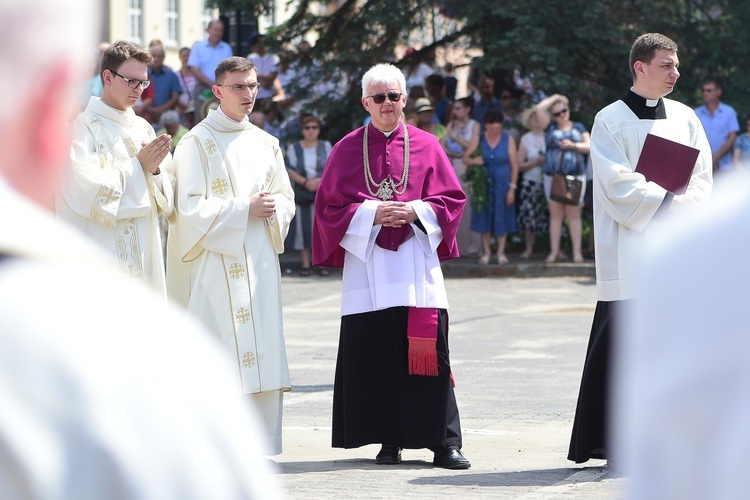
(385, 191)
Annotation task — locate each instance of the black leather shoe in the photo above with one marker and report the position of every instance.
(451, 458)
(389, 455)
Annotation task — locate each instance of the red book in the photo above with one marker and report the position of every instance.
(667, 163)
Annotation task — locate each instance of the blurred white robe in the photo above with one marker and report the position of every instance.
(682, 384)
(110, 395)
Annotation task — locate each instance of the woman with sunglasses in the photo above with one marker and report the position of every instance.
(305, 160)
(567, 143)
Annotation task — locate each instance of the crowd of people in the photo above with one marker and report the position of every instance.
(546, 141)
(235, 191)
(507, 172)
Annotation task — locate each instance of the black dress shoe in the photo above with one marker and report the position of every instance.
(451, 458)
(390, 454)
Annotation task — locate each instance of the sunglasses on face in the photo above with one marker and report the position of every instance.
(311, 127)
(560, 113)
(380, 98)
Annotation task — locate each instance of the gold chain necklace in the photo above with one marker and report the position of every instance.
(386, 188)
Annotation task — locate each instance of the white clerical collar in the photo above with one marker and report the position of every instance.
(222, 113)
(651, 103)
(387, 134)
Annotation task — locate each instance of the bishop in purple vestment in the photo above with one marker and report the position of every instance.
(387, 210)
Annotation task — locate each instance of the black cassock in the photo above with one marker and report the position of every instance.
(376, 401)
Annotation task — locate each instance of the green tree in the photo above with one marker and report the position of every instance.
(575, 47)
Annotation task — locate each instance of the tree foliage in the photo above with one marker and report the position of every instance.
(576, 47)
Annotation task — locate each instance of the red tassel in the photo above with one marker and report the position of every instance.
(423, 359)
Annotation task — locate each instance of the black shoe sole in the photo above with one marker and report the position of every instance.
(387, 461)
(455, 466)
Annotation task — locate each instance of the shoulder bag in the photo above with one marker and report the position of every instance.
(565, 188)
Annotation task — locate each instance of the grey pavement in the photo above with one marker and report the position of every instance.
(517, 348)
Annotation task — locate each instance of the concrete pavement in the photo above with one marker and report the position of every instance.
(517, 348)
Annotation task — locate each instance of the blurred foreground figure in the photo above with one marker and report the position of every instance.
(680, 415)
(103, 393)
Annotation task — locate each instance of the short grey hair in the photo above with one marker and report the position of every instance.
(383, 74)
(170, 116)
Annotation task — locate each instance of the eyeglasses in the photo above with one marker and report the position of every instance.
(560, 113)
(312, 127)
(240, 89)
(707, 90)
(132, 82)
(380, 98)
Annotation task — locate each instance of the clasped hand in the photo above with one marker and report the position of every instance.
(262, 204)
(153, 153)
(394, 214)
(566, 144)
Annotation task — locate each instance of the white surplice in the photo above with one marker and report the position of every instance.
(223, 263)
(109, 197)
(369, 283)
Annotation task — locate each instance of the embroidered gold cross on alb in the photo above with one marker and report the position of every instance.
(210, 146)
(237, 271)
(248, 360)
(219, 186)
(242, 315)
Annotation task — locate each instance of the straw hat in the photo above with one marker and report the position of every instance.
(423, 104)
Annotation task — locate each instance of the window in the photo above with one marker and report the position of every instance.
(173, 26)
(135, 21)
(207, 17)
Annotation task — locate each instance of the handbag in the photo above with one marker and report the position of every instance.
(566, 189)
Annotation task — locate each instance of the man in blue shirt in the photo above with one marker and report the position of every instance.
(204, 57)
(167, 86)
(720, 123)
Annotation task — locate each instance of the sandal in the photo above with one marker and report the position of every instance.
(305, 271)
(551, 259)
(324, 272)
(525, 256)
(502, 260)
(484, 260)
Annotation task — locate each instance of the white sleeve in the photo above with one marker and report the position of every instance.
(429, 240)
(360, 236)
(100, 186)
(624, 194)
